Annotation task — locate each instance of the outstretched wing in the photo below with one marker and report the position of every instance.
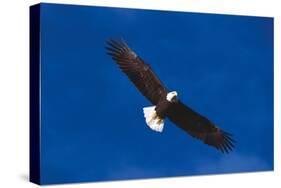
(137, 71)
(200, 127)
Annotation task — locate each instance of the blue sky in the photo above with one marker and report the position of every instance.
(92, 123)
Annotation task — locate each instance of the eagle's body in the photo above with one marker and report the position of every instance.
(165, 103)
(155, 115)
(162, 107)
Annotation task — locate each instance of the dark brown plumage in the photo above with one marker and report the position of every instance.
(200, 127)
(137, 71)
(151, 87)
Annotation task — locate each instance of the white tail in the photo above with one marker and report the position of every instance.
(152, 120)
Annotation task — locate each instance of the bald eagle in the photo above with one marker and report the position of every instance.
(166, 103)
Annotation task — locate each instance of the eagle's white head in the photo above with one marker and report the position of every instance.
(172, 96)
